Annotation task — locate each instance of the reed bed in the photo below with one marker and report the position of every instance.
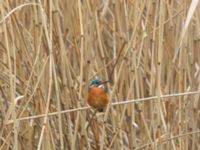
(50, 50)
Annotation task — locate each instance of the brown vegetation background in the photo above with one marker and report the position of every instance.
(50, 50)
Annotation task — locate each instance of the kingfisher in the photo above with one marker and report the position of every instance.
(97, 95)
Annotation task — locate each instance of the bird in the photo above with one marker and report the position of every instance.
(97, 95)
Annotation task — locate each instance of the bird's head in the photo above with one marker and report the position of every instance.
(98, 83)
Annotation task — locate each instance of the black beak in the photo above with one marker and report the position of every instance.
(104, 82)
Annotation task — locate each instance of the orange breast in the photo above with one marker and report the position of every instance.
(97, 97)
